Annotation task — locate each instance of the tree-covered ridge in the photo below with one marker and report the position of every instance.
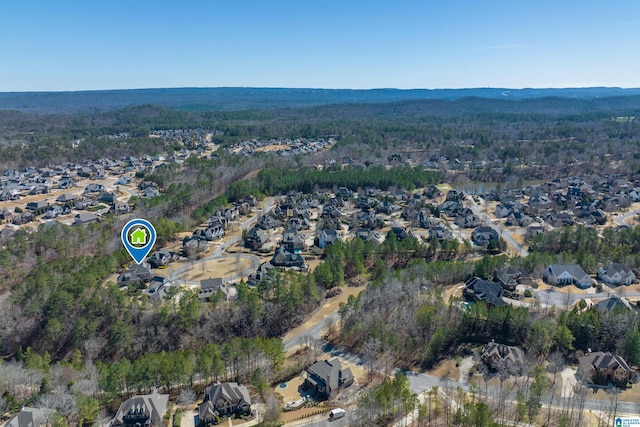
(222, 98)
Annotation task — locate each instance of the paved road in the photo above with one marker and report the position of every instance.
(315, 331)
(622, 219)
(321, 421)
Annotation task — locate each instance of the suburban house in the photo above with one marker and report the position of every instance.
(477, 289)
(441, 233)
(612, 303)
(482, 235)
(31, 417)
(616, 274)
(567, 274)
(162, 258)
(5, 215)
(120, 208)
(402, 233)
(85, 218)
(134, 274)
(284, 258)
(292, 241)
(327, 237)
(224, 399)
(510, 277)
(604, 367)
(260, 274)
(150, 192)
(37, 207)
(157, 289)
(367, 234)
(256, 238)
(67, 199)
(327, 377)
(94, 188)
(209, 287)
(499, 356)
(66, 183)
(142, 411)
(55, 211)
(212, 232)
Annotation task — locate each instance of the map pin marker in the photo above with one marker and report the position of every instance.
(138, 237)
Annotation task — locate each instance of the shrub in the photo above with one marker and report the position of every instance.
(177, 418)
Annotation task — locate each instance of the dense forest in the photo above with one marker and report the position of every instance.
(532, 138)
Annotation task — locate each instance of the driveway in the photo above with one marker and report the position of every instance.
(188, 418)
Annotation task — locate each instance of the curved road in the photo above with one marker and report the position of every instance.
(622, 219)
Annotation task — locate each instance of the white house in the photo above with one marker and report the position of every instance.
(567, 274)
(616, 274)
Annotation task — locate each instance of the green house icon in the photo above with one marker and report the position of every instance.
(138, 237)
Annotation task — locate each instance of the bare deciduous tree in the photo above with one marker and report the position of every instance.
(186, 397)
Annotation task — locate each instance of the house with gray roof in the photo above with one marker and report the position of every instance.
(477, 289)
(85, 218)
(38, 207)
(142, 411)
(567, 274)
(612, 303)
(157, 289)
(482, 235)
(283, 258)
(224, 399)
(31, 417)
(616, 274)
(209, 287)
(135, 274)
(68, 199)
(327, 377)
(94, 188)
(327, 237)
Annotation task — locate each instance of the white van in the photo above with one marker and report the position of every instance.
(336, 413)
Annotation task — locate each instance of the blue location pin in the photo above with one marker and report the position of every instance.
(138, 237)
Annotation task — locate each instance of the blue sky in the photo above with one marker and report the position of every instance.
(112, 44)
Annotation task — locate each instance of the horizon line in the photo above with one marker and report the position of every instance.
(320, 88)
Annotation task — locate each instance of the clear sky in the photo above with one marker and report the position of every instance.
(48, 45)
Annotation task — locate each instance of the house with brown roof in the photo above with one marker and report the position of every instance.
(604, 367)
(224, 399)
(510, 277)
(498, 356)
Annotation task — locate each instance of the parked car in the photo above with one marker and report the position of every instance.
(336, 413)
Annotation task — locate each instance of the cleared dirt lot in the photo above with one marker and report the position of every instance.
(221, 267)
